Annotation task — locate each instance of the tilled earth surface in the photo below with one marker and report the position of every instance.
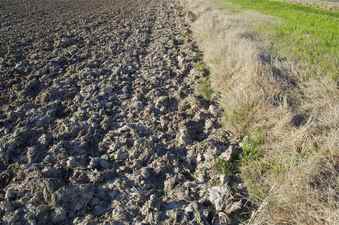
(99, 120)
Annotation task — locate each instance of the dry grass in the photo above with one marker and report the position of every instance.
(297, 177)
(307, 196)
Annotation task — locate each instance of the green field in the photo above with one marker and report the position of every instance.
(307, 34)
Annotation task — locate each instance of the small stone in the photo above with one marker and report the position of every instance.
(214, 110)
(93, 163)
(219, 196)
(183, 137)
(113, 194)
(105, 164)
(65, 42)
(45, 139)
(58, 215)
(125, 91)
(72, 162)
(166, 104)
(32, 88)
(190, 208)
(212, 152)
(180, 61)
(140, 129)
(74, 199)
(121, 155)
(169, 183)
(99, 210)
(229, 153)
(191, 131)
(22, 68)
(234, 207)
(11, 194)
(42, 213)
(138, 105)
(146, 172)
(224, 179)
(32, 154)
(108, 90)
(209, 125)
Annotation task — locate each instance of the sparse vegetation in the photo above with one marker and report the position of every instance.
(251, 146)
(204, 89)
(201, 67)
(224, 167)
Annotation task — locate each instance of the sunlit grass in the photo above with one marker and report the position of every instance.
(307, 34)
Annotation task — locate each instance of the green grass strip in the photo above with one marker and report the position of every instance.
(306, 34)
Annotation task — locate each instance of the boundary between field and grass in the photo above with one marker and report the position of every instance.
(274, 66)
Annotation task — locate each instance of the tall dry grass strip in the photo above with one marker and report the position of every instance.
(299, 119)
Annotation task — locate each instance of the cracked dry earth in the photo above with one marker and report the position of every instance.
(99, 121)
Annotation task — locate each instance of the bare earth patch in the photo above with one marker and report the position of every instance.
(100, 122)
